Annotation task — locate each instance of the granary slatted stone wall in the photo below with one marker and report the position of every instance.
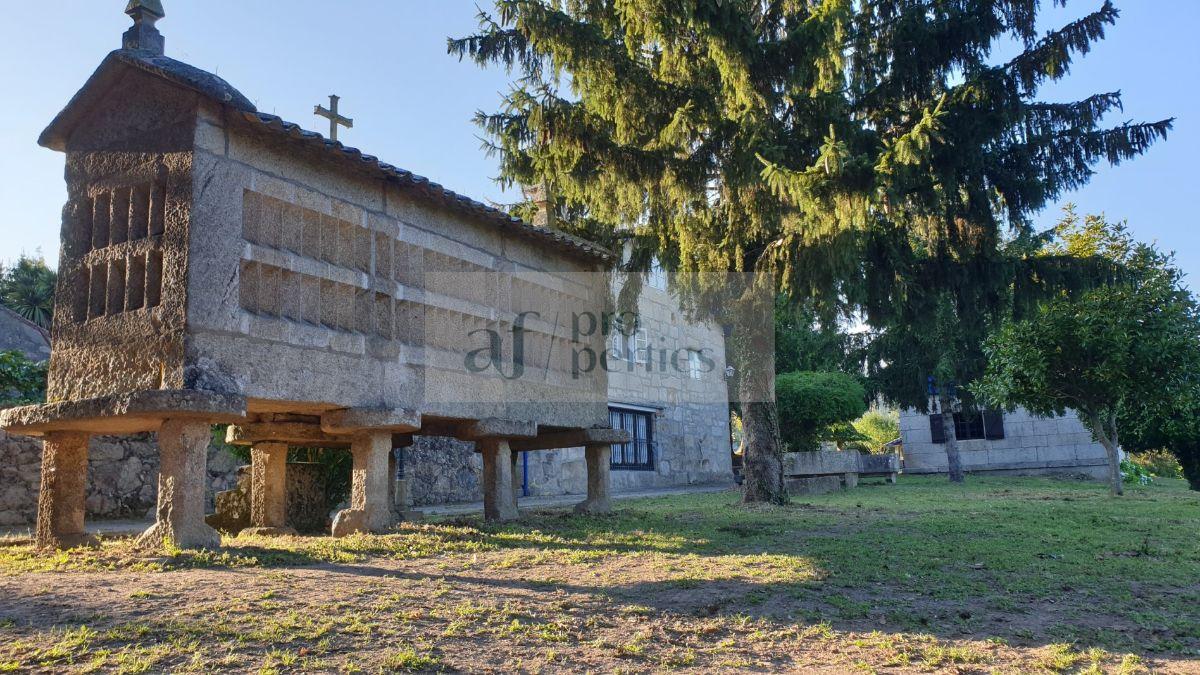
(377, 294)
(124, 255)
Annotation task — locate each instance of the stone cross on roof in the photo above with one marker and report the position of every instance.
(332, 115)
(143, 36)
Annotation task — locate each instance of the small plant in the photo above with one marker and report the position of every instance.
(1157, 463)
(409, 660)
(1135, 473)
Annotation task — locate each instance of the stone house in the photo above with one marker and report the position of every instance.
(666, 387)
(20, 334)
(1014, 443)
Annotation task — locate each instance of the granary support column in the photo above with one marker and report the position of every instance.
(268, 490)
(599, 498)
(499, 496)
(60, 515)
(182, 476)
(370, 486)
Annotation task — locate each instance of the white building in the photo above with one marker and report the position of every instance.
(1016, 443)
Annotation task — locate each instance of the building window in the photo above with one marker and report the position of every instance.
(970, 426)
(624, 345)
(695, 367)
(637, 454)
(657, 276)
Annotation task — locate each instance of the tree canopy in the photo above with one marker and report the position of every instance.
(1130, 346)
(27, 288)
(841, 152)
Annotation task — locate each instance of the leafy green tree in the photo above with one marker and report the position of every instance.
(27, 288)
(1130, 346)
(804, 341)
(22, 382)
(788, 141)
(812, 404)
(878, 428)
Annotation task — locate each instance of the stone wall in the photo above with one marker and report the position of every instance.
(1031, 445)
(23, 336)
(122, 476)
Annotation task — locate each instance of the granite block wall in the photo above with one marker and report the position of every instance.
(1031, 445)
(122, 477)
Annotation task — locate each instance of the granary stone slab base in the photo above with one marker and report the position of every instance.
(183, 445)
(124, 413)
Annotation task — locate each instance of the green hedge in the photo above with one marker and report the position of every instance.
(812, 404)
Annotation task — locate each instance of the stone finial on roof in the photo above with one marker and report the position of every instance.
(143, 36)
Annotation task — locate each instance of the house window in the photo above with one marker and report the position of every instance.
(624, 345)
(637, 454)
(657, 277)
(970, 426)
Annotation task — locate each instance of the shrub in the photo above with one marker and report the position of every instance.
(1135, 473)
(1158, 463)
(22, 382)
(1187, 451)
(878, 428)
(810, 403)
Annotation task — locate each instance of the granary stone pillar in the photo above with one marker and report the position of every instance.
(182, 476)
(63, 491)
(268, 490)
(370, 490)
(499, 498)
(401, 493)
(599, 498)
(515, 457)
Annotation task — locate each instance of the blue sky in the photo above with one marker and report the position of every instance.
(412, 104)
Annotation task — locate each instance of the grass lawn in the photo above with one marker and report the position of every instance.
(1001, 575)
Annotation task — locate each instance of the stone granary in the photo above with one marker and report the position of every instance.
(220, 265)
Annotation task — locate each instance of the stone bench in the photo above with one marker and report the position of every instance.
(813, 473)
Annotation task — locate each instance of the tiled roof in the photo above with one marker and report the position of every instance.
(220, 91)
(427, 188)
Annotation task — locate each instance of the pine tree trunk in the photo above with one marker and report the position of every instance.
(953, 458)
(762, 462)
(762, 457)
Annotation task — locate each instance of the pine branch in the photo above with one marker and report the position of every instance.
(1051, 57)
(1045, 118)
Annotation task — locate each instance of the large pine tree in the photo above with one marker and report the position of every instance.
(786, 141)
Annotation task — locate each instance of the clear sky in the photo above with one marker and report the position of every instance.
(412, 104)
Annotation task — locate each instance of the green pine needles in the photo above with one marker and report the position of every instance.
(862, 154)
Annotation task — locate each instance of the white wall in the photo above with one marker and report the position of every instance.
(1031, 444)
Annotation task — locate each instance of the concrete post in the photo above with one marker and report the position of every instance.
(499, 501)
(599, 499)
(268, 490)
(182, 476)
(370, 486)
(516, 476)
(63, 492)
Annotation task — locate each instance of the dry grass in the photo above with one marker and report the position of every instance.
(1000, 576)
